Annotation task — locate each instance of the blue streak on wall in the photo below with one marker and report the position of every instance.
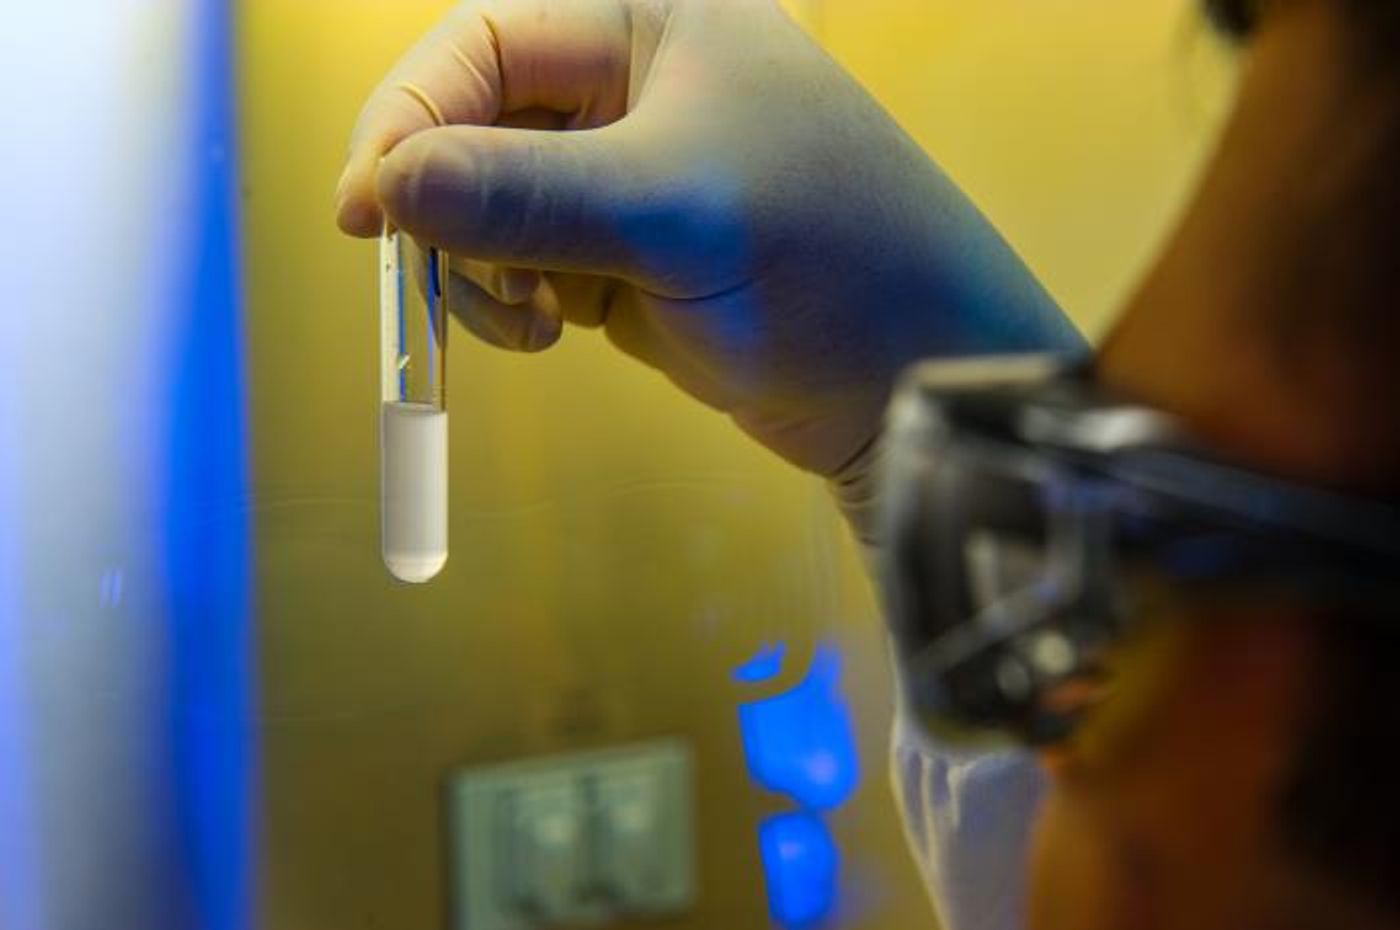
(206, 540)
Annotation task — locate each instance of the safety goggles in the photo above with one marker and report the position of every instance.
(1022, 507)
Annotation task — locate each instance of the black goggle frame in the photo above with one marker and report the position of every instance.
(1020, 472)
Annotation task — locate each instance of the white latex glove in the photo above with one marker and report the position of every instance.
(729, 206)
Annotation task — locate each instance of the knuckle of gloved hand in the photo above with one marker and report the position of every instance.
(519, 200)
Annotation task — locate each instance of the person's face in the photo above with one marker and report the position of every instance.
(1165, 812)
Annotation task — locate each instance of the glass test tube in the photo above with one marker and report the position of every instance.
(413, 416)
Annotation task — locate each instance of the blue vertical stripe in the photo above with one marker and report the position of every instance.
(206, 540)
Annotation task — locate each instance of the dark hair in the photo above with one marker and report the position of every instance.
(1341, 812)
(1378, 21)
(1234, 17)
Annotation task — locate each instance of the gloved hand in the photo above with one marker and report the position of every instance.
(727, 204)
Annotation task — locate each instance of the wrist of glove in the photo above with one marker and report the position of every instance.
(855, 488)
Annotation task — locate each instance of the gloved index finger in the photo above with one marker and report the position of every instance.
(489, 58)
(451, 75)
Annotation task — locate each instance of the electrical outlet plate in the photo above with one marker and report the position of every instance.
(572, 840)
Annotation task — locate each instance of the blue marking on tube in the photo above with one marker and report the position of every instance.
(434, 302)
(402, 348)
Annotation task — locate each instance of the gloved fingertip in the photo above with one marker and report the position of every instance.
(542, 333)
(357, 209)
(517, 285)
(360, 217)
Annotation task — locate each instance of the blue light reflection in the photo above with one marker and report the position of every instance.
(800, 866)
(801, 743)
(206, 535)
(762, 667)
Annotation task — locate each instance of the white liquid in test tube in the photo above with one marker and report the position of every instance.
(413, 416)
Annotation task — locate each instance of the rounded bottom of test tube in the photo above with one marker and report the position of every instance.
(414, 475)
(414, 569)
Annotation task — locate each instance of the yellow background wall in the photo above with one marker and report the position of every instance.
(616, 550)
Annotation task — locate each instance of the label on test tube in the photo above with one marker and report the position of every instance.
(413, 416)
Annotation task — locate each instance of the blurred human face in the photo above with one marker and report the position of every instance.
(1164, 813)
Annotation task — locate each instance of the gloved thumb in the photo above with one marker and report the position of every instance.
(559, 201)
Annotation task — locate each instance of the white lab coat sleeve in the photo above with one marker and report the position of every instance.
(967, 817)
